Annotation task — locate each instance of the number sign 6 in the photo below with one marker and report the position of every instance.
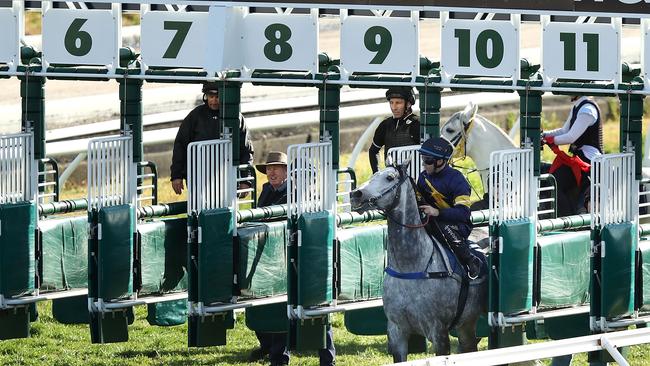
(9, 38)
(80, 37)
(581, 51)
(379, 44)
(481, 48)
(280, 41)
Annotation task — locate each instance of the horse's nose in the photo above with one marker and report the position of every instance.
(356, 194)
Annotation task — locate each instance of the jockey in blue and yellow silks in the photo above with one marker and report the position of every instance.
(444, 194)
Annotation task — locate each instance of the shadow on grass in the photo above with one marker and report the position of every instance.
(182, 357)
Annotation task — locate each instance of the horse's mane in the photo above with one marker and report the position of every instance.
(497, 128)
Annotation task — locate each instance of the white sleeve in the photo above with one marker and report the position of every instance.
(583, 121)
(559, 131)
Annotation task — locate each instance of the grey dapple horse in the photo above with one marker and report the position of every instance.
(425, 306)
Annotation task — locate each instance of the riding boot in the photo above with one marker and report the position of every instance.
(471, 262)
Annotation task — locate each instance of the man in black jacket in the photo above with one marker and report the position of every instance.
(402, 129)
(203, 123)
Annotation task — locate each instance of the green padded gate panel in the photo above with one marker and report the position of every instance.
(617, 274)
(215, 256)
(167, 313)
(516, 269)
(262, 259)
(65, 253)
(564, 269)
(71, 310)
(210, 330)
(163, 249)
(17, 257)
(644, 296)
(315, 262)
(14, 323)
(109, 327)
(270, 318)
(363, 254)
(370, 321)
(115, 252)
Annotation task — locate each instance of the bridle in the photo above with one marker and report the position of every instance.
(372, 201)
(460, 140)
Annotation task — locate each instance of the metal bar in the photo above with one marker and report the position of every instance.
(244, 305)
(616, 355)
(517, 319)
(340, 308)
(144, 301)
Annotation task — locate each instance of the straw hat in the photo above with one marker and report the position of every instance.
(274, 158)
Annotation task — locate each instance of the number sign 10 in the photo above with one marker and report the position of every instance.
(484, 48)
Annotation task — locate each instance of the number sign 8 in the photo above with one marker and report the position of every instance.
(9, 38)
(80, 37)
(485, 48)
(280, 41)
(369, 44)
(174, 39)
(580, 51)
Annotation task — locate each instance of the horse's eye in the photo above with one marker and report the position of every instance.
(450, 130)
(390, 177)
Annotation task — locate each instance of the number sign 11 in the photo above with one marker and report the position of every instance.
(580, 51)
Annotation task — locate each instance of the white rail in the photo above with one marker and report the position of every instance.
(410, 154)
(17, 168)
(508, 355)
(614, 190)
(311, 182)
(512, 186)
(211, 177)
(111, 172)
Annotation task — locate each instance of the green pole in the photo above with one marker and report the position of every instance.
(131, 113)
(229, 108)
(32, 92)
(329, 102)
(530, 115)
(430, 102)
(631, 126)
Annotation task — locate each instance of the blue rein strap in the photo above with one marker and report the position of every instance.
(417, 275)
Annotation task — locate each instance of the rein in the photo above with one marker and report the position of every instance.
(402, 179)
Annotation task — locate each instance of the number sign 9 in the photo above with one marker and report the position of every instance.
(174, 39)
(280, 42)
(9, 38)
(580, 51)
(379, 44)
(485, 48)
(79, 37)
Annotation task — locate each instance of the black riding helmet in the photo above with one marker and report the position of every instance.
(211, 87)
(404, 92)
(438, 148)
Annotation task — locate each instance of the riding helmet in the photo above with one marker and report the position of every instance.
(404, 92)
(211, 87)
(437, 147)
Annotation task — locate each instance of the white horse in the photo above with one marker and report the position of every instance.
(475, 136)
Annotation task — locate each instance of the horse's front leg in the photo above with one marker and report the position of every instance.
(398, 344)
(440, 339)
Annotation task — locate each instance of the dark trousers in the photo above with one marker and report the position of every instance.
(275, 344)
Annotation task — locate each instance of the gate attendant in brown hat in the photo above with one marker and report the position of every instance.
(274, 192)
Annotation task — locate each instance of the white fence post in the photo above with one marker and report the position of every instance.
(18, 171)
(311, 181)
(211, 177)
(111, 172)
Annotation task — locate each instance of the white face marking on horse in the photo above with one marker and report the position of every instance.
(452, 129)
(376, 188)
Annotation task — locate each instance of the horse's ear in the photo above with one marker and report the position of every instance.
(469, 112)
(404, 167)
(390, 162)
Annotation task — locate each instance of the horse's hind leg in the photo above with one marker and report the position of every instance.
(398, 344)
(467, 341)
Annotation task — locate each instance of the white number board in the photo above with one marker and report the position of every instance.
(9, 36)
(80, 37)
(379, 44)
(581, 51)
(645, 56)
(174, 39)
(281, 42)
(479, 48)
